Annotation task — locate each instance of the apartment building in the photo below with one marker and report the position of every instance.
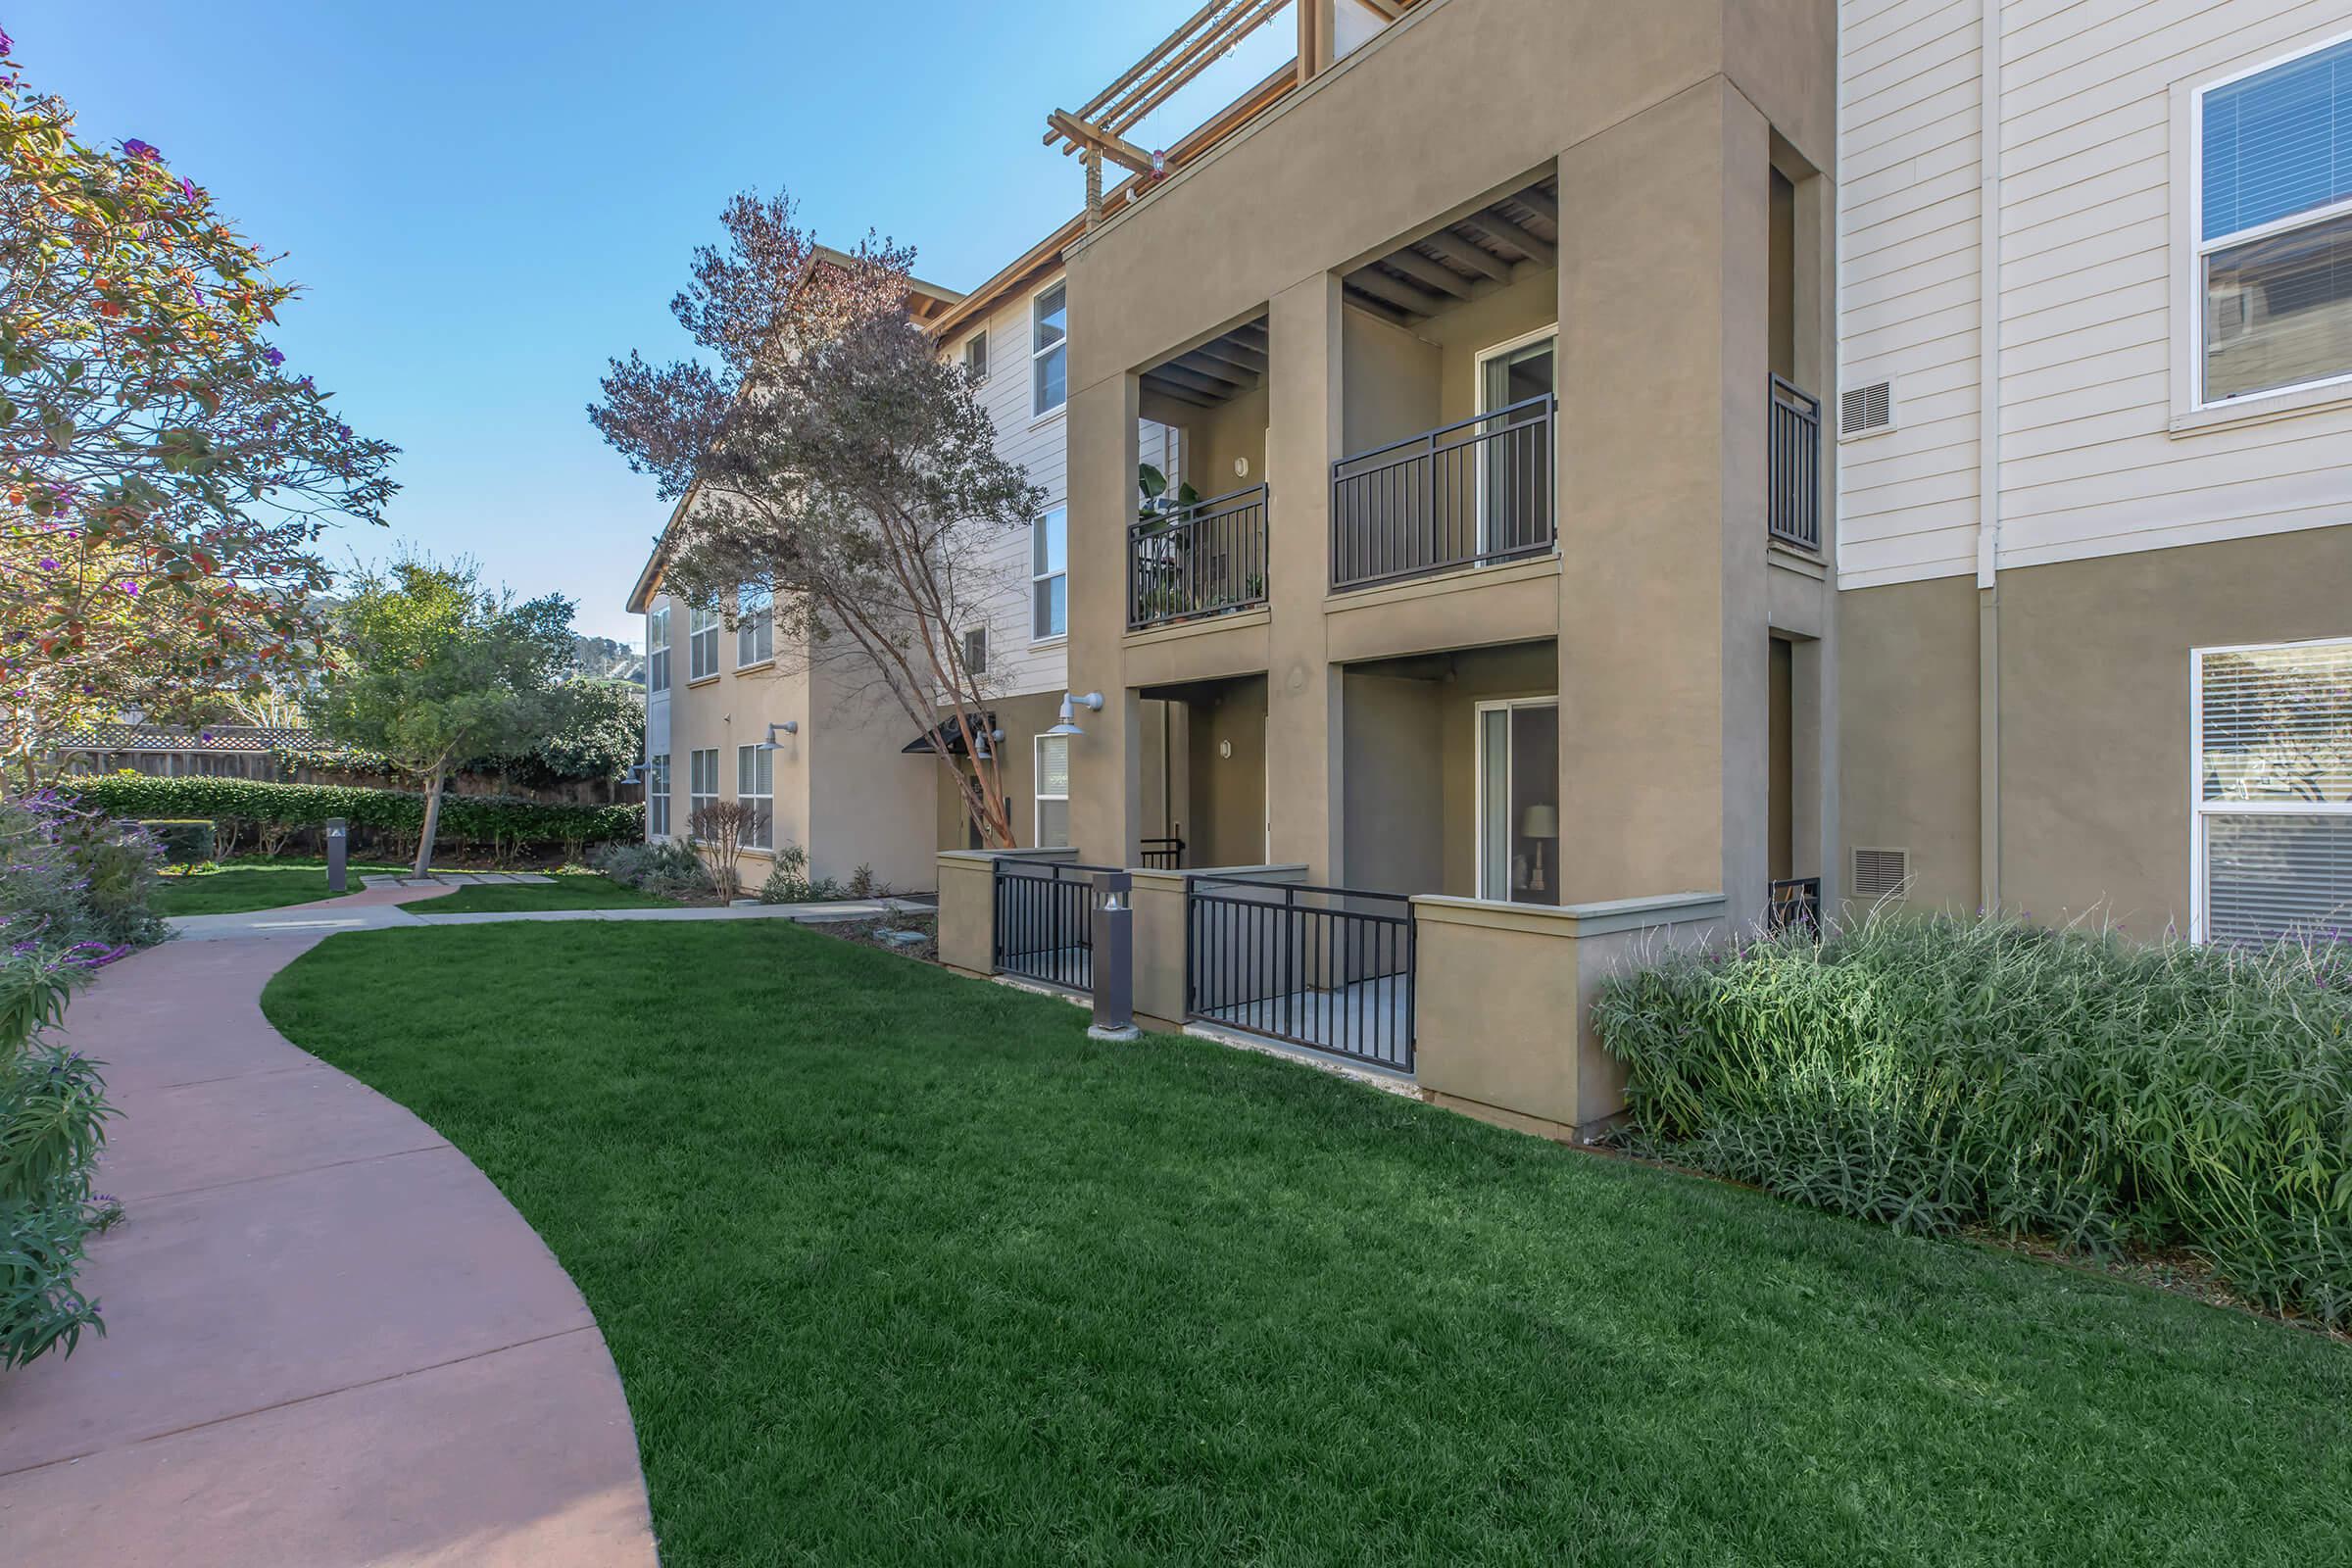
(2095, 458)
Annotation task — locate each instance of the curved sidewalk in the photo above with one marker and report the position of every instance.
(332, 1342)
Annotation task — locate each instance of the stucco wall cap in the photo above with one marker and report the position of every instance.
(1156, 877)
(1570, 921)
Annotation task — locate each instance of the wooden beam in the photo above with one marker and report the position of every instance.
(1381, 309)
(1421, 270)
(1517, 238)
(1215, 386)
(1172, 78)
(1096, 139)
(1385, 10)
(1227, 352)
(1158, 51)
(1377, 283)
(1150, 381)
(1477, 257)
(1543, 203)
(1217, 369)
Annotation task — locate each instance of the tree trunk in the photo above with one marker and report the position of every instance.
(432, 819)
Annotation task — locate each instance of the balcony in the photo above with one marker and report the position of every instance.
(1795, 467)
(1202, 560)
(1469, 494)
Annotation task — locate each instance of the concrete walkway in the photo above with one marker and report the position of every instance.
(358, 912)
(331, 1341)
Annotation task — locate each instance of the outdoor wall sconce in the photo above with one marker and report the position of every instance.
(1092, 702)
(791, 726)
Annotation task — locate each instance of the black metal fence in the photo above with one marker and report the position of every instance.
(1165, 855)
(1476, 491)
(1793, 901)
(1046, 921)
(1328, 968)
(1202, 560)
(1795, 464)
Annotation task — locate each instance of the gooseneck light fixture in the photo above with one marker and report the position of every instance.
(1071, 702)
(791, 726)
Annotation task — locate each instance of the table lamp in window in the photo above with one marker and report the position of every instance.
(1539, 822)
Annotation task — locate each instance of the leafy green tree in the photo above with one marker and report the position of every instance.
(432, 668)
(601, 737)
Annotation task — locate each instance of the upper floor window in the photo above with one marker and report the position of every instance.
(657, 650)
(1050, 574)
(975, 355)
(975, 651)
(2273, 216)
(1050, 347)
(755, 628)
(2272, 741)
(702, 644)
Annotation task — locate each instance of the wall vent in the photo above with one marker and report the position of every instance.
(1866, 410)
(1881, 873)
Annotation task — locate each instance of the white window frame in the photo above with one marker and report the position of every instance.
(2190, 246)
(656, 795)
(1038, 579)
(751, 761)
(1039, 410)
(975, 650)
(1037, 789)
(754, 628)
(976, 347)
(1478, 784)
(2200, 809)
(696, 796)
(1478, 398)
(702, 644)
(657, 650)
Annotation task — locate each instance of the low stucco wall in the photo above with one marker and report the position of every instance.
(1159, 950)
(967, 905)
(1503, 1000)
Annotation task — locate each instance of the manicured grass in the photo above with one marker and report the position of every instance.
(240, 886)
(570, 889)
(898, 1267)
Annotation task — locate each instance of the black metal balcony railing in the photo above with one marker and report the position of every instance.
(1204, 560)
(1329, 968)
(1795, 466)
(1794, 902)
(1467, 494)
(1045, 925)
(1164, 853)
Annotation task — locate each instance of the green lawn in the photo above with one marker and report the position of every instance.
(240, 885)
(901, 1268)
(570, 889)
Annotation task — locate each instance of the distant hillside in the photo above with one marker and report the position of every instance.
(606, 658)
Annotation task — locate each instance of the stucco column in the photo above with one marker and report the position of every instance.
(1303, 734)
(1663, 620)
(1105, 764)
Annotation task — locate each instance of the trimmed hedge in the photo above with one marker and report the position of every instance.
(482, 819)
(184, 841)
(1941, 1073)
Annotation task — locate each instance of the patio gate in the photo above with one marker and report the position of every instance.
(1045, 925)
(1327, 968)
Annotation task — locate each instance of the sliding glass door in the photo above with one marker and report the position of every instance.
(1519, 801)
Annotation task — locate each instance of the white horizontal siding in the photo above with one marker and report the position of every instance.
(2090, 308)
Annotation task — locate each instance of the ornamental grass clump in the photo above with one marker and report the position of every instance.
(1941, 1073)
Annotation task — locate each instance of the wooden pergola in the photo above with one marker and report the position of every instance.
(1097, 129)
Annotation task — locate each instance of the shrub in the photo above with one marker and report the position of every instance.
(790, 883)
(70, 875)
(1945, 1072)
(187, 841)
(664, 868)
(53, 1115)
(501, 824)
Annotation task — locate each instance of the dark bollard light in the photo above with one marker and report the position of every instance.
(338, 845)
(1114, 965)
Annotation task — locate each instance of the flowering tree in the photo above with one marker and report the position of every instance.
(163, 482)
(431, 671)
(834, 459)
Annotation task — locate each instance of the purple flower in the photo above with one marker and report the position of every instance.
(187, 188)
(48, 564)
(6, 44)
(274, 357)
(136, 148)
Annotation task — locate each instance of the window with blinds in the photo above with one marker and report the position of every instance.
(2273, 162)
(2273, 742)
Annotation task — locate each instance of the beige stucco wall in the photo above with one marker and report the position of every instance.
(1022, 719)
(1908, 693)
(2095, 661)
(1226, 796)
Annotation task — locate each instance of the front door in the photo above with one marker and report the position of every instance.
(1519, 801)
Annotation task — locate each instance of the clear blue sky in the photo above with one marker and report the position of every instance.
(487, 201)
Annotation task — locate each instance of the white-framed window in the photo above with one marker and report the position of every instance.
(656, 795)
(702, 644)
(1052, 792)
(657, 650)
(1517, 782)
(975, 651)
(2271, 739)
(1050, 349)
(1050, 574)
(702, 782)
(755, 789)
(755, 628)
(2271, 209)
(975, 355)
